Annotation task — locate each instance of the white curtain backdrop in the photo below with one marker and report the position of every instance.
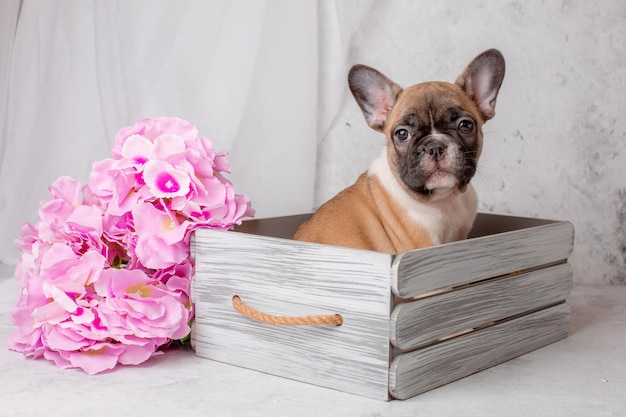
(266, 80)
(262, 79)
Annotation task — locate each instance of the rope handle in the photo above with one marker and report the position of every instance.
(315, 320)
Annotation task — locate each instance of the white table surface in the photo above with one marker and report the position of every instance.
(583, 375)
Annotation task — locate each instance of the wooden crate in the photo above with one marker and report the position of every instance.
(411, 322)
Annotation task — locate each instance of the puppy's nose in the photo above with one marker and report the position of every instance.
(436, 150)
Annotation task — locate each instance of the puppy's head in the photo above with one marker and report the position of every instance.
(434, 129)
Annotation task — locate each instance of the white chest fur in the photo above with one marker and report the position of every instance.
(448, 215)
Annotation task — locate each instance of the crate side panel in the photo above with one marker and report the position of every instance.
(426, 270)
(427, 320)
(431, 367)
(290, 278)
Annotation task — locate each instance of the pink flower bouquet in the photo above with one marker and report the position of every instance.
(105, 273)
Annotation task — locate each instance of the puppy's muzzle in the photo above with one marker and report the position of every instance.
(436, 150)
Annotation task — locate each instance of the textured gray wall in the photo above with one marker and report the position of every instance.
(557, 145)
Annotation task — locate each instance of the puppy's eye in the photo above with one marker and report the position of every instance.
(402, 135)
(466, 126)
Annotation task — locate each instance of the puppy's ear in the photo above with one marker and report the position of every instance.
(482, 79)
(375, 94)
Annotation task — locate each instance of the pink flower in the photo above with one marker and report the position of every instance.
(164, 180)
(161, 242)
(177, 280)
(105, 278)
(85, 220)
(118, 188)
(103, 356)
(137, 148)
(153, 128)
(135, 304)
(66, 189)
(154, 253)
(55, 302)
(149, 220)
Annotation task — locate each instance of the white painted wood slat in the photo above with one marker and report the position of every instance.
(424, 369)
(427, 320)
(421, 271)
(283, 277)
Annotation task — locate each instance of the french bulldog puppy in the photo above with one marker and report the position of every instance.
(418, 192)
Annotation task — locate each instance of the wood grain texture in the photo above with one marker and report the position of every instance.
(283, 277)
(437, 339)
(424, 369)
(427, 320)
(426, 270)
